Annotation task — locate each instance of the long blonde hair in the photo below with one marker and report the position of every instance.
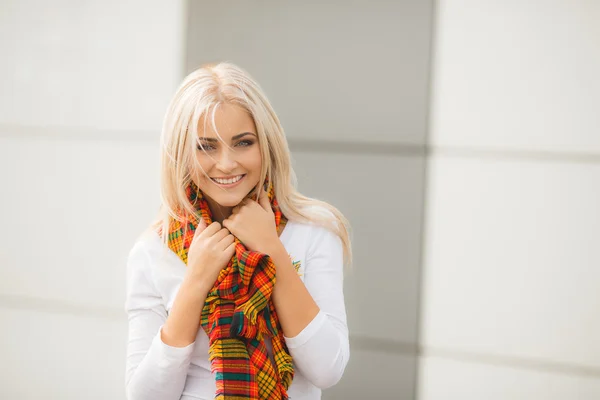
(199, 94)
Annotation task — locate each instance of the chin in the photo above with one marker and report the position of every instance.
(229, 202)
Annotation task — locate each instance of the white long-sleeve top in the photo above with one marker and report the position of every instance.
(156, 371)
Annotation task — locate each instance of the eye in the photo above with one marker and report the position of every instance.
(205, 147)
(245, 143)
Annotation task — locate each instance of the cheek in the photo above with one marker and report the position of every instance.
(255, 160)
(200, 170)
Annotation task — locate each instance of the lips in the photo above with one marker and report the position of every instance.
(228, 181)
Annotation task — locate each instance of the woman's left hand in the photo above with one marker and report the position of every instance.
(254, 224)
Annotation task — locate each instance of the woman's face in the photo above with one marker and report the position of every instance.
(234, 170)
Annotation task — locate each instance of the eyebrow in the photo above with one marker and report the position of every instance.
(236, 137)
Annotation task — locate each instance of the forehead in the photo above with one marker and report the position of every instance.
(227, 120)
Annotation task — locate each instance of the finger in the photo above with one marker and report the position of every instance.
(226, 241)
(264, 202)
(230, 250)
(217, 237)
(228, 222)
(211, 229)
(200, 228)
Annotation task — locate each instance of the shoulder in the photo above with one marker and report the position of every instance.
(141, 255)
(316, 235)
(318, 212)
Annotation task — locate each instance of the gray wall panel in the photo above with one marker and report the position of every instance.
(344, 70)
(349, 80)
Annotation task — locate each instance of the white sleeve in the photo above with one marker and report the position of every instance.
(154, 370)
(321, 350)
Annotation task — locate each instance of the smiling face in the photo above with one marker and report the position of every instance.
(233, 169)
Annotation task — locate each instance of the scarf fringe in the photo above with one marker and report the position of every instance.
(246, 322)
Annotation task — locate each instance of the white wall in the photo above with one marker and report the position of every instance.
(510, 277)
(84, 87)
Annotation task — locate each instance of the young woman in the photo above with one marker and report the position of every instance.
(236, 290)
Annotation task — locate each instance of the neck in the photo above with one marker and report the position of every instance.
(219, 212)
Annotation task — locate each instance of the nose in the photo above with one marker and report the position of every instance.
(226, 161)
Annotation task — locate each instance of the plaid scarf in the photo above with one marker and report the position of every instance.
(238, 313)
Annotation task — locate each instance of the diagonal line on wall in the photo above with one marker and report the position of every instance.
(77, 133)
(514, 154)
(360, 148)
(527, 363)
(59, 306)
(357, 342)
(390, 148)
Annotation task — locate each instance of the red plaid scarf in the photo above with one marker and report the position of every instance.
(238, 313)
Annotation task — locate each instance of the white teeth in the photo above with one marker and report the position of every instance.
(228, 181)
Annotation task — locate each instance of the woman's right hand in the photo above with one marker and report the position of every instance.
(210, 251)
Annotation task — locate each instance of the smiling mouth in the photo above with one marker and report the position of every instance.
(229, 180)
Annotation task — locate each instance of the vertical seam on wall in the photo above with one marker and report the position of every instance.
(185, 34)
(424, 191)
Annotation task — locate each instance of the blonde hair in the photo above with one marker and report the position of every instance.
(200, 93)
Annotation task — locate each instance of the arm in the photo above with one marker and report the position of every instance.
(157, 364)
(313, 314)
(294, 304)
